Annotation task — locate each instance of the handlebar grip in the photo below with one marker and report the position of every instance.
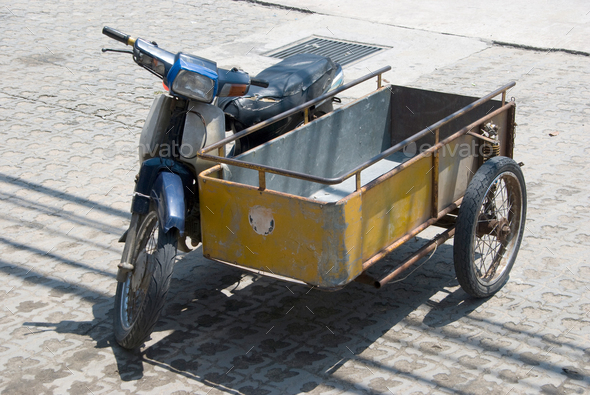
(258, 82)
(117, 35)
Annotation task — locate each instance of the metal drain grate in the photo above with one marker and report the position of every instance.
(342, 52)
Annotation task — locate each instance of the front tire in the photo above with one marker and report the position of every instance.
(141, 297)
(490, 226)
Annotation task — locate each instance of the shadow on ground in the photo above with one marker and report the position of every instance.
(248, 334)
(245, 334)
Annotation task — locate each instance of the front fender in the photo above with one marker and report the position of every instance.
(168, 195)
(163, 181)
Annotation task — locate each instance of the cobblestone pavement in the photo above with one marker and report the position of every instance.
(66, 111)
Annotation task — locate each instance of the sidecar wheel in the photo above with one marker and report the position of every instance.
(490, 227)
(141, 297)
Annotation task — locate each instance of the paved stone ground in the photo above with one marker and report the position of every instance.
(67, 113)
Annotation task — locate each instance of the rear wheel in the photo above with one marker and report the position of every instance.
(490, 227)
(141, 297)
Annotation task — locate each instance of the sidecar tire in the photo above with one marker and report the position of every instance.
(483, 258)
(132, 331)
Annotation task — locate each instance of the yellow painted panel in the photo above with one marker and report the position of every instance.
(353, 217)
(283, 234)
(396, 205)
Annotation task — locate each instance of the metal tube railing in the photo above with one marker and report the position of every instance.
(301, 107)
(356, 171)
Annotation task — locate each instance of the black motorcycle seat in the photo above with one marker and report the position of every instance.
(298, 78)
(292, 75)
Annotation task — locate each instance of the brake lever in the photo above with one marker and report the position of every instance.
(117, 50)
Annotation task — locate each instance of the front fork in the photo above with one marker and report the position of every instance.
(125, 266)
(161, 184)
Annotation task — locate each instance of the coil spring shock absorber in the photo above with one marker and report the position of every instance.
(489, 150)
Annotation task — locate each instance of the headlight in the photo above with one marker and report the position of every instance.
(193, 78)
(194, 86)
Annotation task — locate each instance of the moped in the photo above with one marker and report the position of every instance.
(202, 103)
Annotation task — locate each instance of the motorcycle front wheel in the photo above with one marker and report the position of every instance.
(141, 297)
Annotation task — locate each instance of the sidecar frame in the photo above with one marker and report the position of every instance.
(261, 211)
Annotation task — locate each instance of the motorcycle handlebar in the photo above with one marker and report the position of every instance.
(165, 58)
(117, 35)
(258, 82)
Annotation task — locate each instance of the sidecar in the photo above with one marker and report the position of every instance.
(323, 203)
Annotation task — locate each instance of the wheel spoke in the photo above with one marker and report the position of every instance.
(489, 248)
(489, 253)
(134, 292)
(486, 250)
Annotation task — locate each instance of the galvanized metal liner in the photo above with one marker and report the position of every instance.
(327, 147)
(339, 51)
(334, 144)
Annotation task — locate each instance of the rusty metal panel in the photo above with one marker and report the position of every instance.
(352, 233)
(457, 165)
(511, 133)
(278, 233)
(394, 205)
(460, 159)
(505, 132)
(415, 109)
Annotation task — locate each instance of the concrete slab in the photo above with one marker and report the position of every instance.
(411, 54)
(535, 23)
